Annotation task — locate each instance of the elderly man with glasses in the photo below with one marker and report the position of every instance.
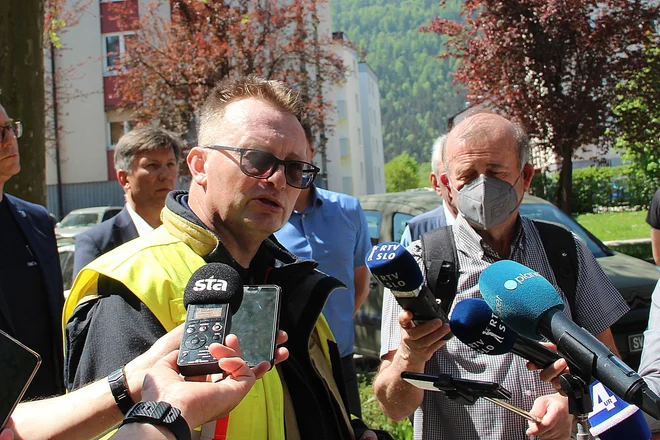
(30, 278)
(247, 173)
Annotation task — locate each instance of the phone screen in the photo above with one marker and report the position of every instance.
(256, 323)
(18, 365)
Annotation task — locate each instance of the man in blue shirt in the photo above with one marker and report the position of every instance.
(331, 229)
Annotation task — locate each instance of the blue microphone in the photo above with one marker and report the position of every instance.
(475, 325)
(395, 268)
(614, 419)
(529, 304)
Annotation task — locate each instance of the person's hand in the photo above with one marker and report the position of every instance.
(551, 373)
(556, 423)
(281, 354)
(369, 435)
(202, 399)
(420, 341)
(136, 369)
(6, 434)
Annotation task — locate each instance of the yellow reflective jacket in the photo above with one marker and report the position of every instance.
(156, 268)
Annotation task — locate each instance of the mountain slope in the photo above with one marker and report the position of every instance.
(417, 95)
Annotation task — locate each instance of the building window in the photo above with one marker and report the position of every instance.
(347, 185)
(357, 103)
(344, 147)
(359, 136)
(117, 130)
(341, 108)
(114, 49)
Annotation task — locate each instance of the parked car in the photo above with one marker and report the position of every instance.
(79, 220)
(387, 215)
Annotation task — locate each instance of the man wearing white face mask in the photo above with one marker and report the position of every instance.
(487, 172)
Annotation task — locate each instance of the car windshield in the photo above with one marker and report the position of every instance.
(550, 213)
(76, 219)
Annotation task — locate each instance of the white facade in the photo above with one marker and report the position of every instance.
(372, 131)
(354, 166)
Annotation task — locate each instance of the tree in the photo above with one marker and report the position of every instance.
(171, 67)
(401, 173)
(22, 91)
(637, 111)
(551, 65)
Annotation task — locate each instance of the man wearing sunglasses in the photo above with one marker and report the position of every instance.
(30, 278)
(247, 173)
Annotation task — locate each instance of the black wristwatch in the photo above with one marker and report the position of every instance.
(161, 414)
(119, 389)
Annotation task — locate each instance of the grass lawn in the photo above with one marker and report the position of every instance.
(616, 225)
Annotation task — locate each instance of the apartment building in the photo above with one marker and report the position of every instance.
(83, 174)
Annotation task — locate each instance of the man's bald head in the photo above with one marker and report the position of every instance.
(488, 125)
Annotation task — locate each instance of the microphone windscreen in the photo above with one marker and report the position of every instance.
(475, 325)
(519, 295)
(214, 283)
(394, 267)
(612, 418)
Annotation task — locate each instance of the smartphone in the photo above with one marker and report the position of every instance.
(18, 365)
(256, 323)
(464, 387)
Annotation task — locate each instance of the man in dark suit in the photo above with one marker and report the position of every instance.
(31, 297)
(146, 160)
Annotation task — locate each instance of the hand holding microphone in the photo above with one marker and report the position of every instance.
(529, 304)
(423, 322)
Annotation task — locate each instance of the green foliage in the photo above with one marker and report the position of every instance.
(373, 416)
(416, 91)
(423, 173)
(594, 187)
(637, 112)
(401, 173)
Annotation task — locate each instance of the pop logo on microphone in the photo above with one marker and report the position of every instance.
(210, 284)
(513, 284)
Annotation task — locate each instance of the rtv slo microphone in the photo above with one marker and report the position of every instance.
(530, 305)
(614, 419)
(475, 325)
(213, 294)
(395, 268)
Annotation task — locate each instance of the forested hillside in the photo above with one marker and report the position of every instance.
(416, 91)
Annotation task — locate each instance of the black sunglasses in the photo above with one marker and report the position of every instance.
(262, 165)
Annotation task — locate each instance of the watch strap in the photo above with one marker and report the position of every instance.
(119, 389)
(161, 414)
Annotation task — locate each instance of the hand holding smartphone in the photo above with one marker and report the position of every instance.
(18, 365)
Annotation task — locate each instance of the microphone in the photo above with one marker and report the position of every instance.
(395, 268)
(213, 294)
(530, 305)
(475, 325)
(614, 419)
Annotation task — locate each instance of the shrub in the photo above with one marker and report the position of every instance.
(596, 187)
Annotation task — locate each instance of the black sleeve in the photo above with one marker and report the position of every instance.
(653, 217)
(105, 333)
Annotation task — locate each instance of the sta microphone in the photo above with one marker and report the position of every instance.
(213, 294)
(614, 419)
(475, 325)
(529, 304)
(395, 268)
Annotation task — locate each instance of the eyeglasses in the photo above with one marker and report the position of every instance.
(262, 165)
(15, 126)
